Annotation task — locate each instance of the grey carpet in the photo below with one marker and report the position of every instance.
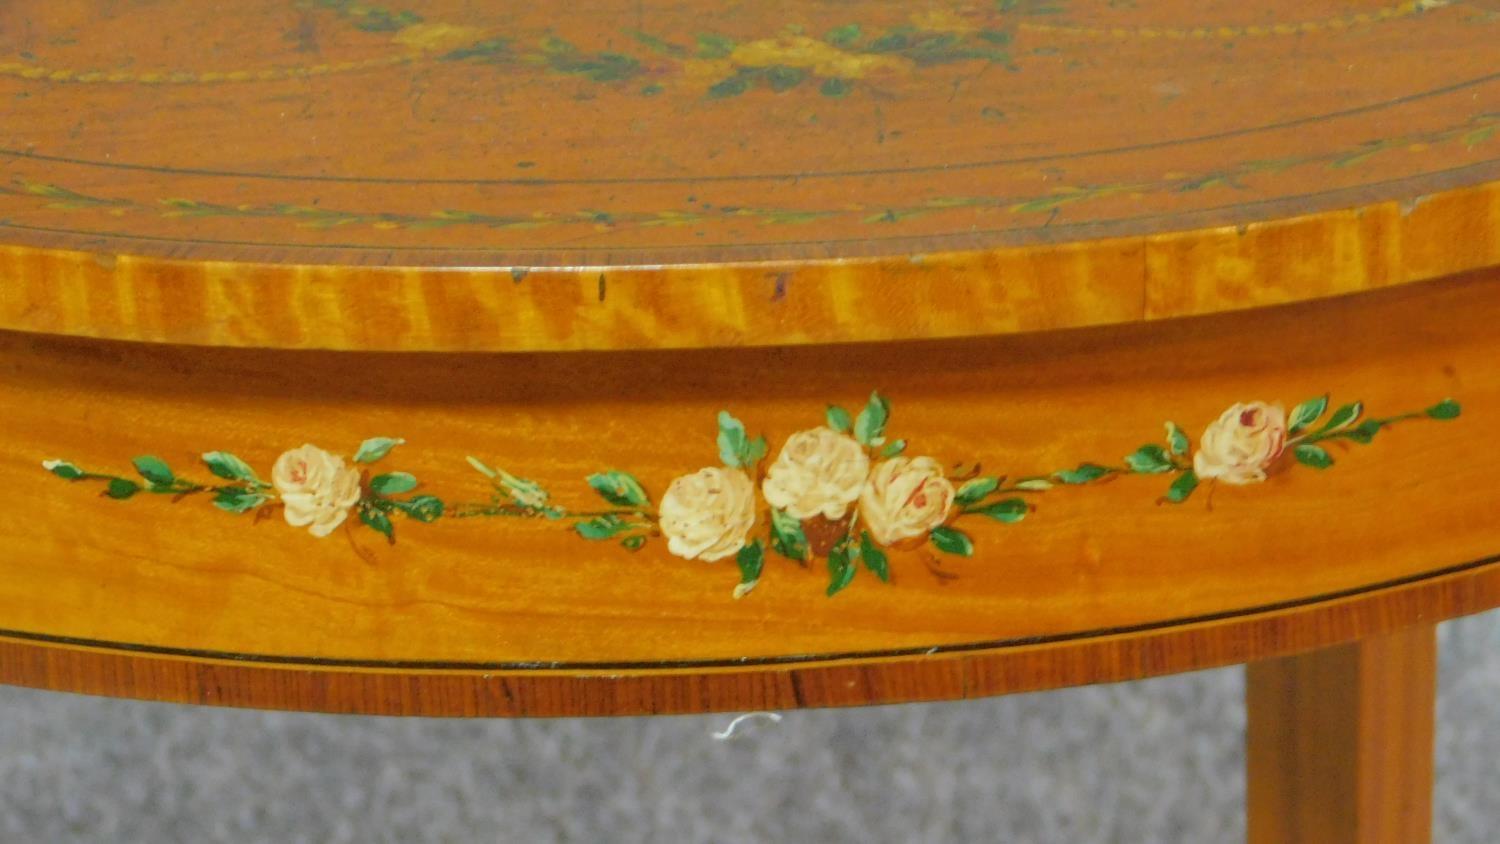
(1154, 761)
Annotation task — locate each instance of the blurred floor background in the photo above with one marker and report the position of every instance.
(1153, 761)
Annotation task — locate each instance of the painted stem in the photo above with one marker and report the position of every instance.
(470, 511)
(1348, 431)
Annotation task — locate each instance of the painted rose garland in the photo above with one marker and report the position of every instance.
(842, 492)
(1249, 440)
(310, 487)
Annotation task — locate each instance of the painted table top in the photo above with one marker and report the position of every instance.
(753, 172)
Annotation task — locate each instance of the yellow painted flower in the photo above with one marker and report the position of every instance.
(943, 20)
(711, 70)
(437, 36)
(820, 57)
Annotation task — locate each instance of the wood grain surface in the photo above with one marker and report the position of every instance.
(459, 176)
(175, 599)
(1339, 742)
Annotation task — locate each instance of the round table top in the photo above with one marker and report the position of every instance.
(687, 173)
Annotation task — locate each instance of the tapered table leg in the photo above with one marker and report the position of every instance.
(1339, 743)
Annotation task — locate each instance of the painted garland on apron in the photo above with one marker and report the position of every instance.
(843, 492)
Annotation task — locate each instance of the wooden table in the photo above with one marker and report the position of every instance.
(450, 358)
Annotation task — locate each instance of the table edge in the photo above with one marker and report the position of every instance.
(550, 692)
(981, 292)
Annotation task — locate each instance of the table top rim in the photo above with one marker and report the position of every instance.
(60, 290)
(680, 174)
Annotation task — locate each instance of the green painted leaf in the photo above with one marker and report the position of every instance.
(751, 559)
(893, 448)
(1344, 416)
(1306, 413)
(869, 426)
(834, 88)
(664, 47)
(1313, 455)
(1034, 485)
(1364, 432)
(1177, 440)
(602, 527)
(553, 44)
(1351, 160)
(839, 419)
(227, 466)
(1149, 459)
(379, 522)
(975, 490)
(634, 543)
(235, 499)
(375, 448)
(1183, 487)
(393, 483)
(844, 35)
(755, 451)
(121, 489)
(841, 569)
(711, 46)
(732, 438)
(1009, 511)
(731, 87)
(874, 558)
(736, 449)
(787, 538)
(1479, 136)
(951, 541)
(1445, 410)
(783, 78)
(1086, 473)
(155, 470)
(422, 508)
(619, 488)
(63, 469)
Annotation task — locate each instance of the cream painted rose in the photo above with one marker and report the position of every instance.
(1242, 444)
(904, 498)
(708, 514)
(316, 488)
(818, 473)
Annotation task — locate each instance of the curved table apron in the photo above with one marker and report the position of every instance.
(508, 556)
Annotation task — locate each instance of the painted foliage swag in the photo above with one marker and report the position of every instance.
(843, 492)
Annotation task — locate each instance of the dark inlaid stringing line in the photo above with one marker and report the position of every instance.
(768, 244)
(625, 180)
(750, 662)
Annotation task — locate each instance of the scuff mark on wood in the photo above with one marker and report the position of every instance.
(781, 282)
